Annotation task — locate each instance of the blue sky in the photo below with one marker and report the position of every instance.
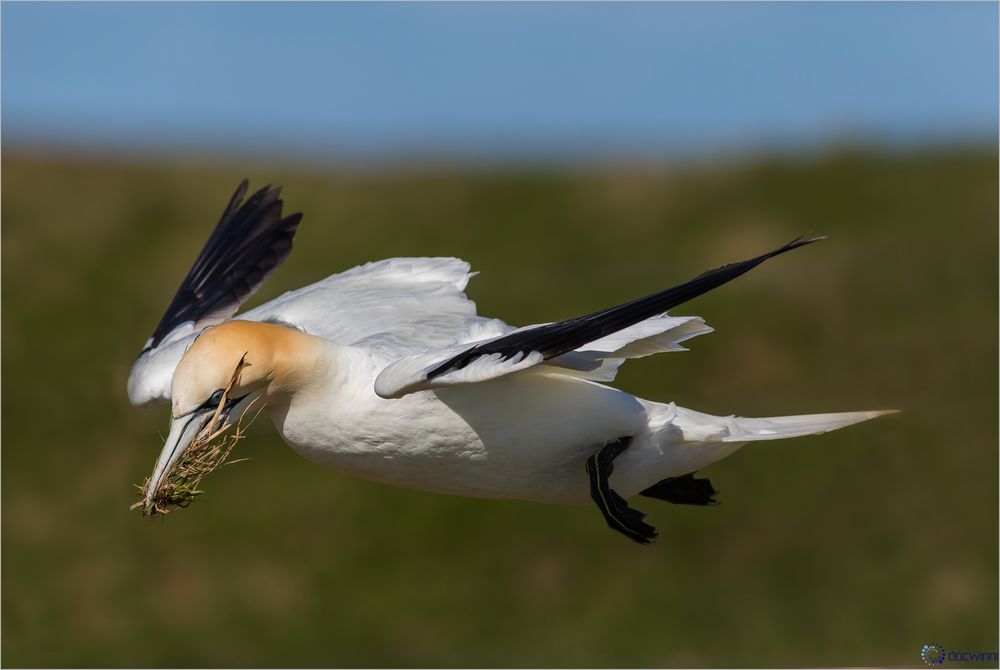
(344, 82)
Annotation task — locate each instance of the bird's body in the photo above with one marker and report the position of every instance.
(386, 372)
(522, 436)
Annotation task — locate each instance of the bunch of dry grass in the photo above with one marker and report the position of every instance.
(209, 452)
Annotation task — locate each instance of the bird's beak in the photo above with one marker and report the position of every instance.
(181, 435)
(185, 430)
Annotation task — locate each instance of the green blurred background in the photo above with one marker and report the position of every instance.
(578, 155)
(852, 548)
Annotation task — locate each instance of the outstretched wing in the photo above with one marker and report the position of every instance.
(530, 346)
(395, 307)
(249, 243)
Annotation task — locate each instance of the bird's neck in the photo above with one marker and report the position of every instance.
(303, 364)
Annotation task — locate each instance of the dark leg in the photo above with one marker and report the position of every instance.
(615, 509)
(684, 490)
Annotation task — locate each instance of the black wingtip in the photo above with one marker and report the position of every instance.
(555, 339)
(250, 241)
(800, 241)
(237, 197)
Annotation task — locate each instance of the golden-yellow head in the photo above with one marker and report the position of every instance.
(209, 364)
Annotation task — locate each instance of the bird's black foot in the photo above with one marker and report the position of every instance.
(683, 490)
(615, 509)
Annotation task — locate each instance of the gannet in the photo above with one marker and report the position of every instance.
(386, 372)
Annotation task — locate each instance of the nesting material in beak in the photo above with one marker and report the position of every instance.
(174, 483)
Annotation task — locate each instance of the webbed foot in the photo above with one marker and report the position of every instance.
(683, 490)
(615, 509)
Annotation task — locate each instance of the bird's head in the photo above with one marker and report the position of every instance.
(234, 359)
(227, 369)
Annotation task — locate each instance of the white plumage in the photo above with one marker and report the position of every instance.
(364, 372)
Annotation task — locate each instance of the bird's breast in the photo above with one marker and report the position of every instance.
(522, 436)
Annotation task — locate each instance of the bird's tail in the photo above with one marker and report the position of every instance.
(742, 429)
(693, 440)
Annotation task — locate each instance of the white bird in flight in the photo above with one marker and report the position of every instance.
(386, 372)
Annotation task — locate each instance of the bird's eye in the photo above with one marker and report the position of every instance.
(216, 398)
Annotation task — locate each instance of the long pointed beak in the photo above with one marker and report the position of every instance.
(181, 435)
(185, 430)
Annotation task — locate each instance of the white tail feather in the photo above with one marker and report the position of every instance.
(687, 441)
(692, 426)
(779, 427)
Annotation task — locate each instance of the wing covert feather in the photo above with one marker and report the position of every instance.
(396, 307)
